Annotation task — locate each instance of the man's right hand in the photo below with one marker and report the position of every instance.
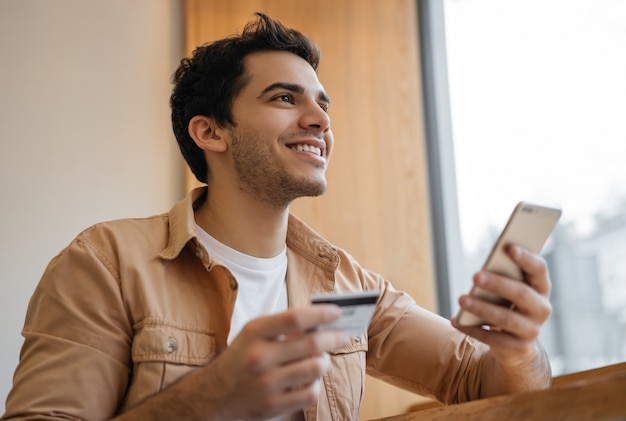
(275, 364)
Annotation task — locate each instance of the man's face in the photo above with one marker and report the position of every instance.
(281, 142)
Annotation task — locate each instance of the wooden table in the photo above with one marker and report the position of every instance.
(598, 394)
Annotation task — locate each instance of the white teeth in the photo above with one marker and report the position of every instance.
(308, 148)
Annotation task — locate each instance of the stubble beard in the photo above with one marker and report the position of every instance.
(261, 175)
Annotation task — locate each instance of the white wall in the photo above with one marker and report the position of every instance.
(84, 132)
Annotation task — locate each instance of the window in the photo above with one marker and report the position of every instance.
(537, 112)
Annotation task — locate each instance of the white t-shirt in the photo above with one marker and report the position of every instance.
(262, 282)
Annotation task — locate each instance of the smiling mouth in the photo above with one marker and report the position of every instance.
(307, 148)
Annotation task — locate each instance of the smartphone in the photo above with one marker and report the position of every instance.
(357, 309)
(529, 226)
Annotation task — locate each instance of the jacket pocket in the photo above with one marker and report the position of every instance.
(162, 353)
(168, 342)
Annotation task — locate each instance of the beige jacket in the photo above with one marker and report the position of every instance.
(130, 306)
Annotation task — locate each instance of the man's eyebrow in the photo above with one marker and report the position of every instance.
(292, 87)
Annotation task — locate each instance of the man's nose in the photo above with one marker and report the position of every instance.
(314, 117)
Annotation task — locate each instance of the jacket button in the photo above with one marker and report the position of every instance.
(171, 345)
(357, 339)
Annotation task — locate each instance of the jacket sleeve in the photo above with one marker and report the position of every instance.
(415, 349)
(75, 360)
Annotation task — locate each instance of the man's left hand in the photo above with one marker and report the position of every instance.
(513, 332)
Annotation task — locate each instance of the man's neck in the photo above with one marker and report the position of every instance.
(244, 224)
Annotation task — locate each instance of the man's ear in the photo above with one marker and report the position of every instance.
(206, 133)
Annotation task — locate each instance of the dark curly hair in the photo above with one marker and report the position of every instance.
(208, 81)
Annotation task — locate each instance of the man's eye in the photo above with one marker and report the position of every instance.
(324, 106)
(285, 98)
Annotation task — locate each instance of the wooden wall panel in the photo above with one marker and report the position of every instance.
(376, 206)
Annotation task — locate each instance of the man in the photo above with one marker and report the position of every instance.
(203, 313)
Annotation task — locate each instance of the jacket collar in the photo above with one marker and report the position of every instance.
(301, 239)
(182, 224)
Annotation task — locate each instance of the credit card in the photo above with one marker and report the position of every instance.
(357, 309)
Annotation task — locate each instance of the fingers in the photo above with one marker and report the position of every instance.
(290, 336)
(522, 326)
(298, 375)
(292, 387)
(298, 398)
(265, 354)
(534, 266)
(295, 320)
(527, 300)
(530, 298)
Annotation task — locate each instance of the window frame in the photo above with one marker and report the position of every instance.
(444, 213)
